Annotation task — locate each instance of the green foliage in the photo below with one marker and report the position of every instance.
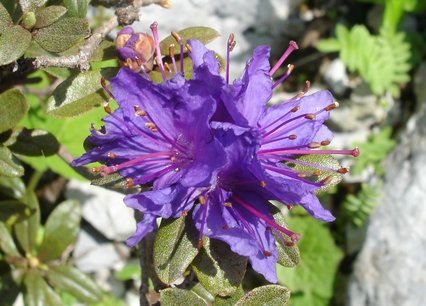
(357, 208)
(13, 108)
(9, 166)
(271, 295)
(311, 282)
(77, 8)
(174, 249)
(128, 272)
(374, 151)
(382, 61)
(21, 40)
(47, 15)
(177, 297)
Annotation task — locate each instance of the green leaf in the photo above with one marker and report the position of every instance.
(26, 231)
(5, 20)
(7, 245)
(78, 94)
(17, 37)
(63, 34)
(218, 269)
(74, 282)
(105, 51)
(130, 271)
(12, 187)
(12, 211)
(174, 248)
(47, 15)
(307, 164)
(33, 143)
(38, 293)
(8, 164)
(270, 295)
(35, 4)
(61, 230)
(288, 256)
(230, 300)
(178, 297)
(328, 45)
(203, 34)
(13, 108)
(311, 281)
(77, 8)
(9, 289)
(115, 182)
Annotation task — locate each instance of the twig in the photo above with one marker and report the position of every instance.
(126, 14)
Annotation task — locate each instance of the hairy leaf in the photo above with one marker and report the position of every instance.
(8, 164)
(16, 36)
(61, 230)
(12, 211)
(13, 108)
(7, 245)
(175, 296)
(174, 249)
(33, 143)
(12, 187)
(62, 34)
(26, 231)
(77, 8)
(271, 295)
(47, 15)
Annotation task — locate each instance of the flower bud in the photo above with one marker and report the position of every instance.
(135, 49)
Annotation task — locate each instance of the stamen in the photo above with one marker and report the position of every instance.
(263, 184)
(327, 180)
(292, 137)
(331, 106)
(314, 145)
(129, 182)
(290, 69)
(169, 70)
(184, 213)
(304, 91)
(292, 174)
(140, 64)
(291, 47)
(325, 142)
(310, 116)
(229, 47)
(202, 199)
(172, 56)
(107, 108)
(151, 126)
(95, 169)
(188, 47)
(104, 86)
(227, 204)
(178, 39)
(111, 155)
(139, 112)
(354, 152)
(154, 29)
(267, 253)
(293, 236)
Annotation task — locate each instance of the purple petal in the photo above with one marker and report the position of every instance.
(147, 225)
(312, 205)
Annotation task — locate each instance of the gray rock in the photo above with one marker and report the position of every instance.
(390, 269)
(103, 209)
(336, 77)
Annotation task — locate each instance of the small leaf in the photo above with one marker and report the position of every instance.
(288, 256)
(62, 34)
(7, 245)
(328, 45)
(38, 293)
(174, 249)
(78, 94)
(177, 297)
(105, 51)
(61, 230)
(17, 37)
(47, 15)
(13, 108)
(218, 269)
(12, 211)
(26, 231)
(203, 34)
(34, 4)
(9, 289)
(271, 295)
(8, 164)
(12, 187)
(231, 300)
(33, 143)
(5, 20)
(307, 165)
(77, 8)
(74, 282)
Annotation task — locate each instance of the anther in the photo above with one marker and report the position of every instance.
(267, 253)
(327, 180)
(95, 169)
(172, 50)
(225, 227)
(202, 200)
(307, 86)
(167, 66)
(310, 117)
(302, 174)
(177, 37)
(129, 182)
(200, 243)
(173, 159)
(292, 137)
(290, 206)
(151, 126)
(227, 204)
(314, 145)
(104, 86)
(111, 155)
(289, 243)
(325, 142)
(107, 108)
(184, 213)
(295, 109)
(342, 170)
(316, 173)
(188, 47)
(331, 106)
(138, 111)
(263, 184)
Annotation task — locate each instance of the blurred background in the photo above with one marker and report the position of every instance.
(371, 54)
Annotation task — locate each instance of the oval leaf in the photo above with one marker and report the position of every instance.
(8, 164)
(203, 34)
(45, 16)
(33, 143)
(229, 300)
(77, 95)
(7, 245)
(14, 41)
(27, 230)
(177, 297)
(218, 269)
(12, 187)
(62, 34)
(13, 107)
(5, 20)
(77, 8)
(37, 292)
(174, 249)
(288, 256)
(74, 282)
(61, 230)
(271, 295)
(12, 211)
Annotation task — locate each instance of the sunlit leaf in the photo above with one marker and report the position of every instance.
(47, 15)
(13, 107)
(26, 231)
(9, 166)
(175, 296)
(7, 245)
(12, 211)
(16, 36)
(271, 295)
(33, 143)
(37, 292)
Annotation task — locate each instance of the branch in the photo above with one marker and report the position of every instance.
(125, 15)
